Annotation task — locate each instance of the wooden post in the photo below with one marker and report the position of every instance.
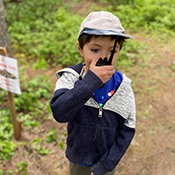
(15, 123)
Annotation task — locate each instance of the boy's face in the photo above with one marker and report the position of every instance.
(98, 47)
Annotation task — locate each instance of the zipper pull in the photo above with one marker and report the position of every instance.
(100, 112)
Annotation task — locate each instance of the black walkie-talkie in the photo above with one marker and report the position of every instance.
(105, 61)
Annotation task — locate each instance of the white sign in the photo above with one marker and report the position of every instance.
(9, 75)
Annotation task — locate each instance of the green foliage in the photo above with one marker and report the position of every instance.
(27, 120)
(7, 146)
(37, 146)
(129, 53)
(40, 63)
(149, 15)
(9, 171)
(172, 67)
(22, 166)
(114, 2)
(43, 151)
(5, 127)
(43, 32)
(51, 136)
(1, 172)
(32, 90)
(61, 145)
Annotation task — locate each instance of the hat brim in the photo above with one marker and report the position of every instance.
(106, 32)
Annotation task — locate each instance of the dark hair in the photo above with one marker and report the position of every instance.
(85, 38)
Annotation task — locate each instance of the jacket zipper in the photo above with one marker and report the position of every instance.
(100, 112)
(96, 133)
(100, 109)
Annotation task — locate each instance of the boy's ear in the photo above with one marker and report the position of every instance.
(79, 49)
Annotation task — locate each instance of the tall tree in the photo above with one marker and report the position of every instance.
(4, 34)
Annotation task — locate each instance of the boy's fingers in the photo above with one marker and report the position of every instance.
(94, 61)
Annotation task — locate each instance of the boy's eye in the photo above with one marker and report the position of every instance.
(94, 50)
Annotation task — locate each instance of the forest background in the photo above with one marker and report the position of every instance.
(43, 36)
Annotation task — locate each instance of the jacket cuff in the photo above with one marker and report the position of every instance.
(92, 79)
(98, 169)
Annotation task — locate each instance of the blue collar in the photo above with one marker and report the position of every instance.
(102, 94)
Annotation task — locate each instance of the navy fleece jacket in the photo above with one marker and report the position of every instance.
(97, 136)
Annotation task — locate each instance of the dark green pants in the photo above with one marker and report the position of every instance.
(82, 170)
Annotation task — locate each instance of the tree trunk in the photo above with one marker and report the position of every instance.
(4, 35)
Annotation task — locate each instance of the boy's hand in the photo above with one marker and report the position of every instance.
(103, 72)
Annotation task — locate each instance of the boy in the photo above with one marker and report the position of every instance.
(96, 100)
